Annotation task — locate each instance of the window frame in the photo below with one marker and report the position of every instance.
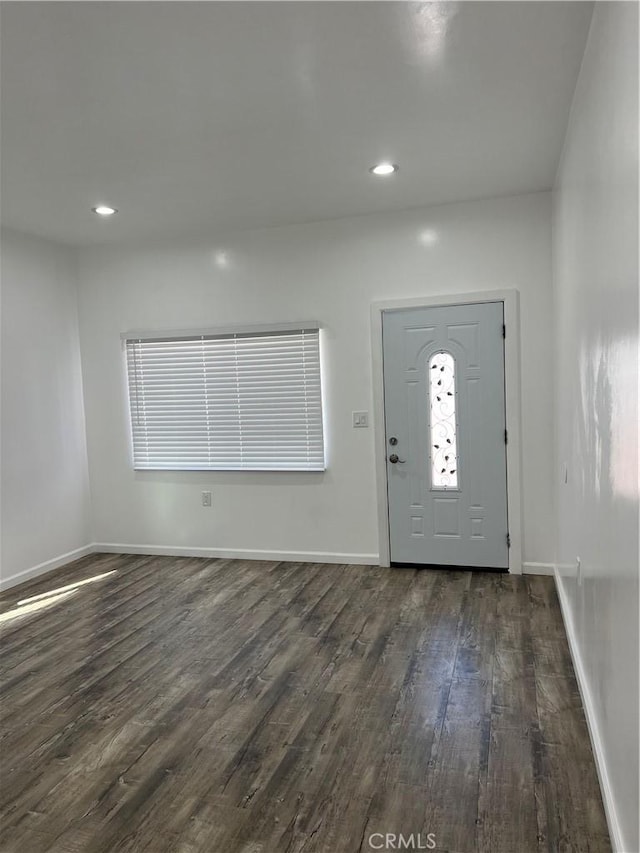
(255, 330)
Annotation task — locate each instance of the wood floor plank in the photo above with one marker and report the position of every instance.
(507, 815)
(224, 706)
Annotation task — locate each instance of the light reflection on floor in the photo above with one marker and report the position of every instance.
(68, 586)
(35, 605)
(45, 599)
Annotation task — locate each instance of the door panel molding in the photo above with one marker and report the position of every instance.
(511, 301)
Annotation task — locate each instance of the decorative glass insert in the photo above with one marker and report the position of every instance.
(442, 398)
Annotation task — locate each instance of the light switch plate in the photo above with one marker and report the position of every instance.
(360, 420)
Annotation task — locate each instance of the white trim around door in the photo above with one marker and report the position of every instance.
(510, 299)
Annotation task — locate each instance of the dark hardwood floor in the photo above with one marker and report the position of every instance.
(197, 706)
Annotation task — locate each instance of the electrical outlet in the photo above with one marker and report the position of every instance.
(360, 420)
(578, 571)
(206, 499)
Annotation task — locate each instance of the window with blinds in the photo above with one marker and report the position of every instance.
(226, 402)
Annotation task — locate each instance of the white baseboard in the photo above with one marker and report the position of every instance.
(47, 566)
(220, 553)
(597, 746)
(538, 569)
(238, 553)
(170, 551)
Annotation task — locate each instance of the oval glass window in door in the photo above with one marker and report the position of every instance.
(442, 404)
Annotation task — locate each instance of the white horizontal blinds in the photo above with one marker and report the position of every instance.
(227, 402)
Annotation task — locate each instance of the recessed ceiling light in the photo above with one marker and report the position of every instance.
(104, 210)
(383, 169)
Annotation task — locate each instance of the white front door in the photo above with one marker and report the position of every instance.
(445, 435)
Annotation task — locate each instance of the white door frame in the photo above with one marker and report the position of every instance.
(511, 301)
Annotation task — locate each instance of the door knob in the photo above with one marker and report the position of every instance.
(394, 459)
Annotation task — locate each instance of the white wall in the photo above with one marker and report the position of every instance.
(44, 460)
(596, 306)
(329, 272)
